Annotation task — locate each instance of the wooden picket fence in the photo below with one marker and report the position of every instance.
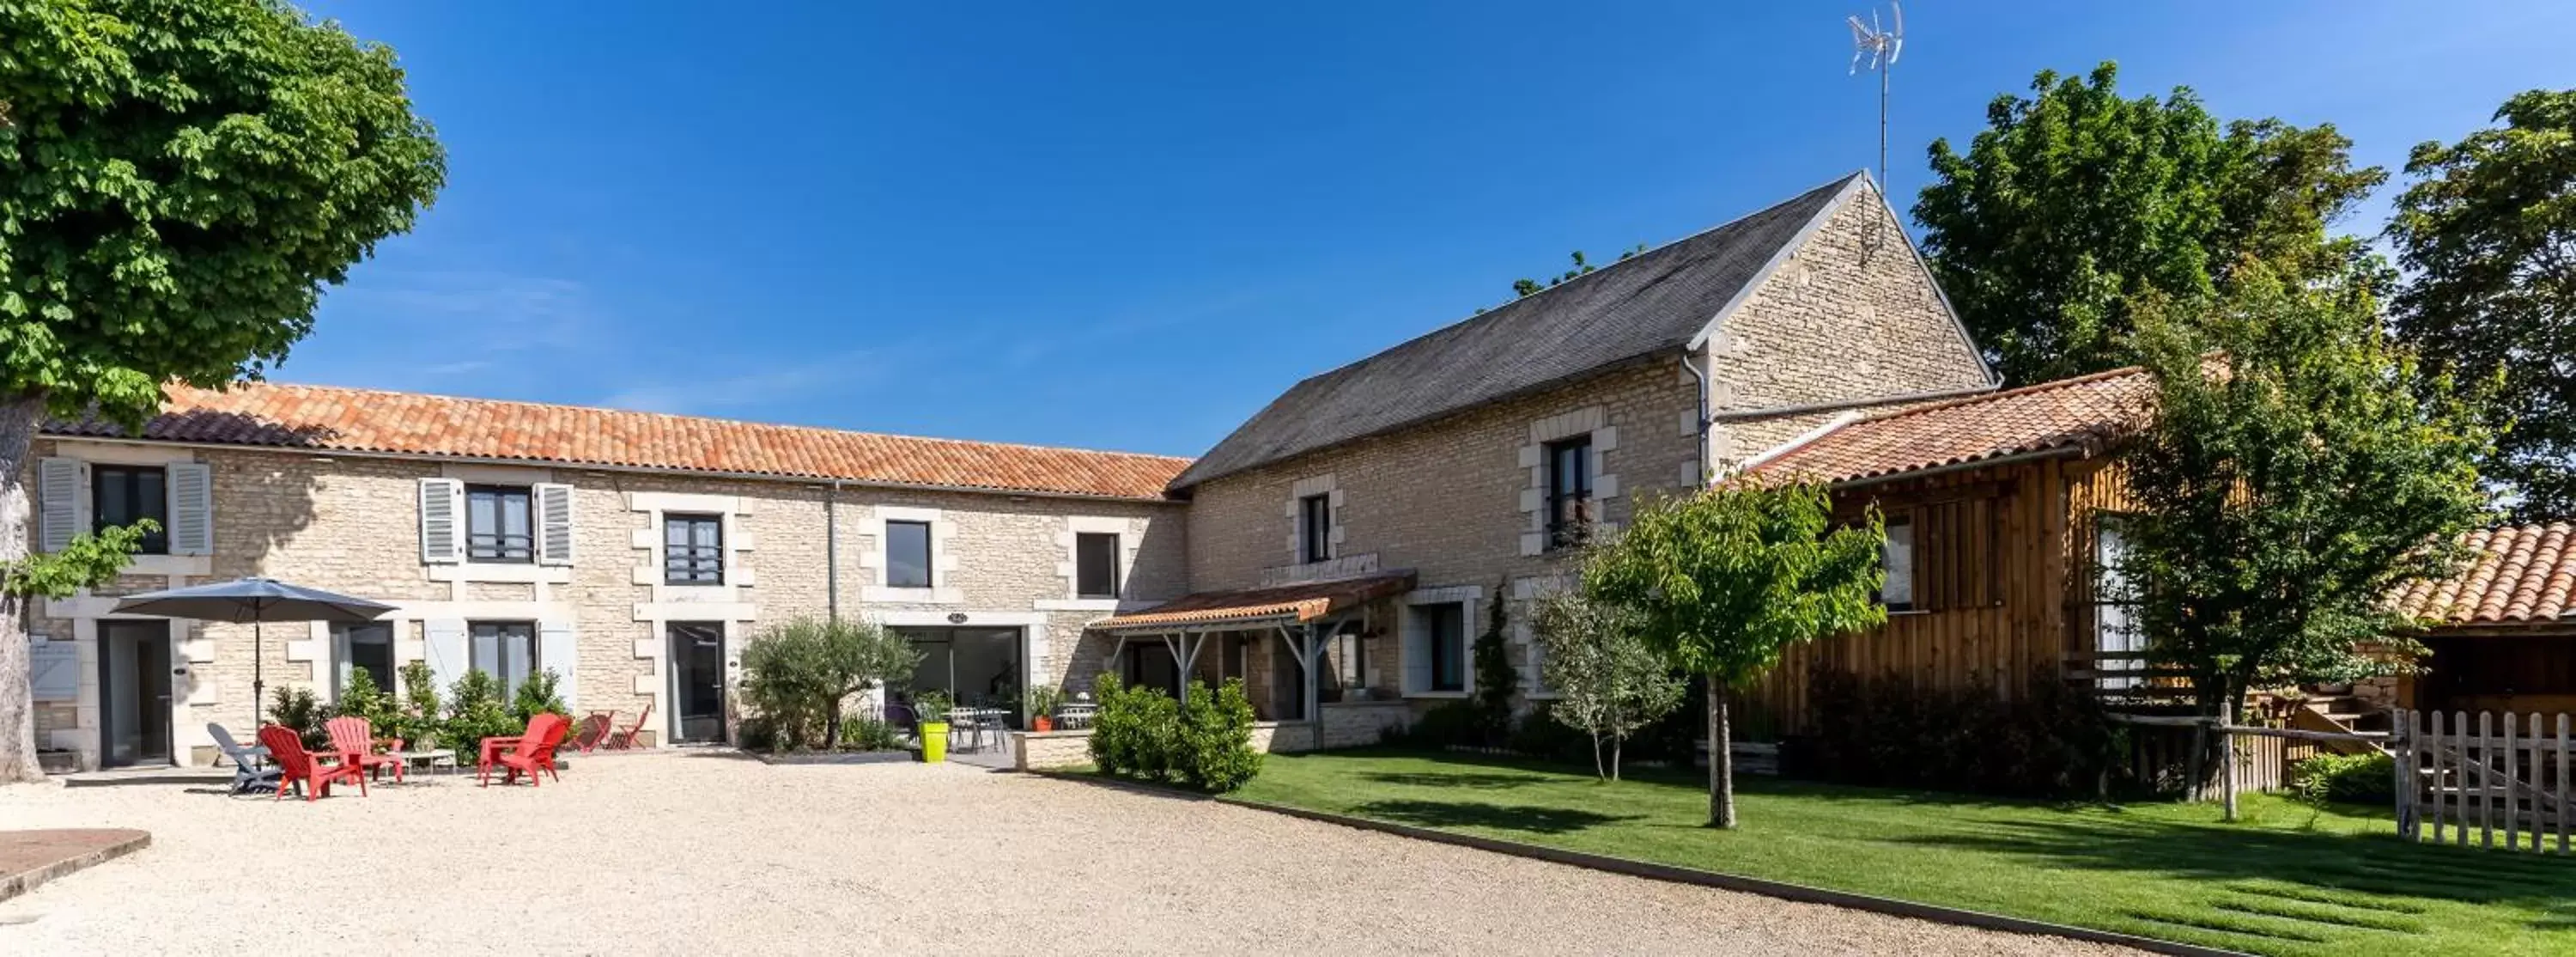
(2505, 777)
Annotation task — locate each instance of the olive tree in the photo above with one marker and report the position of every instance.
(179, 179)
(1608, 682)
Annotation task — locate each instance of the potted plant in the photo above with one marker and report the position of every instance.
(931, 709)
(1041, 702)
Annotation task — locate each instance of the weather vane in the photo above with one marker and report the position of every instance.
(1880, 47)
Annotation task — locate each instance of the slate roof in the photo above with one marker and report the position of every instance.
(1301, 602)
(1640, 307)
(2085, 410)
(331, 419)
(2520, 575)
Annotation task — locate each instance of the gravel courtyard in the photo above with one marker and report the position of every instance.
(706, 852)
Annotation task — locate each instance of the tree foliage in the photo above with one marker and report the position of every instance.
(1496, 680)
(1608, 682)
(2488, 232)
(798, 673)
(2298, 468)
(1721, 581)
(91, 559)
(178, 181)
(2074, 203)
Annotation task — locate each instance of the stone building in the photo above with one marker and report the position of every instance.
(1338, 552)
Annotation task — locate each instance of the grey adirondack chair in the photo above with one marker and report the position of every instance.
(248, 775)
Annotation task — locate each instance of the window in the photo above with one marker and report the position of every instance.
(496, 525)
(2114, 633)
(1095, 565)
(367, 647)
(1345, 666)
(1897, 559)
(692, 550)
(1444, 631)
(1315, 528)
(506, 650)
(121, 495)
(907, 554)
(1569, 490)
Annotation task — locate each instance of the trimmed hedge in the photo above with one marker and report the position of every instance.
(1141, 732)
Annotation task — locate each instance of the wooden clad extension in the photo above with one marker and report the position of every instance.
(2004, 582)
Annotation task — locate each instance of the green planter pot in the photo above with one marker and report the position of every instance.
(934, 742)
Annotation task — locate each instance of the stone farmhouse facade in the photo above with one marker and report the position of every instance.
(1338, 552)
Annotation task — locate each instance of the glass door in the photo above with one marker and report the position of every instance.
(697, 677)
(134, 684)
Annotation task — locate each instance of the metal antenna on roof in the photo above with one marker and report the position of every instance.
(1879, 47)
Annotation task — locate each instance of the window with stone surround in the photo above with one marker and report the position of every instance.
(498, 524)
(1444, 640)
(506, 650)
(1569, 490)
(365, 646)
(1315, 528)
(122, 495)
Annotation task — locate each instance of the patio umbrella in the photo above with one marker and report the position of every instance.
(253, 600)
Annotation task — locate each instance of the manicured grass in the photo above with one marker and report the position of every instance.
(2289, 879)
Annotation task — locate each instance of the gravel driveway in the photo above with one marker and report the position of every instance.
(705, 852)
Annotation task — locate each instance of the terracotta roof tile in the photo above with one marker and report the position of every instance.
(2082, 411)
(1302, 602)
(2517, 574)
(327, 419)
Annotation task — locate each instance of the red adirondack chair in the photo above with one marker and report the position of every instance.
(533, 752)
(355, 739)
(286, 749)
(625, 739)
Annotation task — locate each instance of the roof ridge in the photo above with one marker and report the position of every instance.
(1835, 184)
(2001, 394)
(526, 403)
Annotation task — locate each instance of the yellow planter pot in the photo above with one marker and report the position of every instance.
(934, 742)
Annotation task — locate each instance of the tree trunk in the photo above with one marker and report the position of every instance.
(832, 726)
(1721, 754)
(1615, 743)
(19, 417)
(2227, 754)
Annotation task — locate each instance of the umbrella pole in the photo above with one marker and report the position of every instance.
(258, 687)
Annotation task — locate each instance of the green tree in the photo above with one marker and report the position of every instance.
(1496, 680)
(1722, 580)
(2075, 202)
(178, 181)
(2488, 232)
(2297, 469)
(1608, 682)
(798, 673)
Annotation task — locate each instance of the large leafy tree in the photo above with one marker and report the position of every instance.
(2297, 469)
(2075, 202)
(178, 181)
(2488, 231)
(1722, 580)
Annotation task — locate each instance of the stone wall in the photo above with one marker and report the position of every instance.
(351, 524)
(1345, 726)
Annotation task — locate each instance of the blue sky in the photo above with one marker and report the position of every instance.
(1129, 226)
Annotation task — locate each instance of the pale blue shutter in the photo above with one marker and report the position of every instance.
(442, 513)
(554, 523)
(62, 487)
(559, 653)
(445, 649)
(191, 490)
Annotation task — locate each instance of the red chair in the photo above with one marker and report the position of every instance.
(593, 730)
(286, 750)
(355, 739)
(533, 752)
(625, 740)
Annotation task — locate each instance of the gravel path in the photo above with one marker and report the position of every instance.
(705, 852)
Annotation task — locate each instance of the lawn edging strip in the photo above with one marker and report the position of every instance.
(1750, 885)
(30, 858)
(1672, 874)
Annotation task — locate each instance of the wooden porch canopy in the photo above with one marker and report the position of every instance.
(1300, 615)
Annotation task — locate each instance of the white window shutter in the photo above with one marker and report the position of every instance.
(62, 489)
(1416, 653)
(445, 648)
(191, 490)
(554, 523)
(442, 522)
(557, 652)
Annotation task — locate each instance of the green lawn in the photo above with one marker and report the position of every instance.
(2291, 879)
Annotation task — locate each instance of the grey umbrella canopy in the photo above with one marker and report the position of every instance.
(253, 600)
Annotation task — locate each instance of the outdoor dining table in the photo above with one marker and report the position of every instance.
(974, 722)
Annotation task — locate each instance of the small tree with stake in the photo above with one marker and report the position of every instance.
(1608, 681)
(1722, 580)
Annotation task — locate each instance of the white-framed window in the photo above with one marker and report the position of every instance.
(693, 549)
(495, 523)
(1896, 558)
(500, 524)
(76, 496)
(2115, 629)
(1443, 628)
(506, 650)
(365, 646)
(1345, 665)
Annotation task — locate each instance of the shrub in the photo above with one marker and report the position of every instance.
(1215, 738)
(2346, 779)
(297, 710)
(1447, 724)
(539, 695)
(362, 699)
(1496, 680)
(2050, 740)
(1136, 732)
(475, 712)
(869, 734)
(420, 704)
